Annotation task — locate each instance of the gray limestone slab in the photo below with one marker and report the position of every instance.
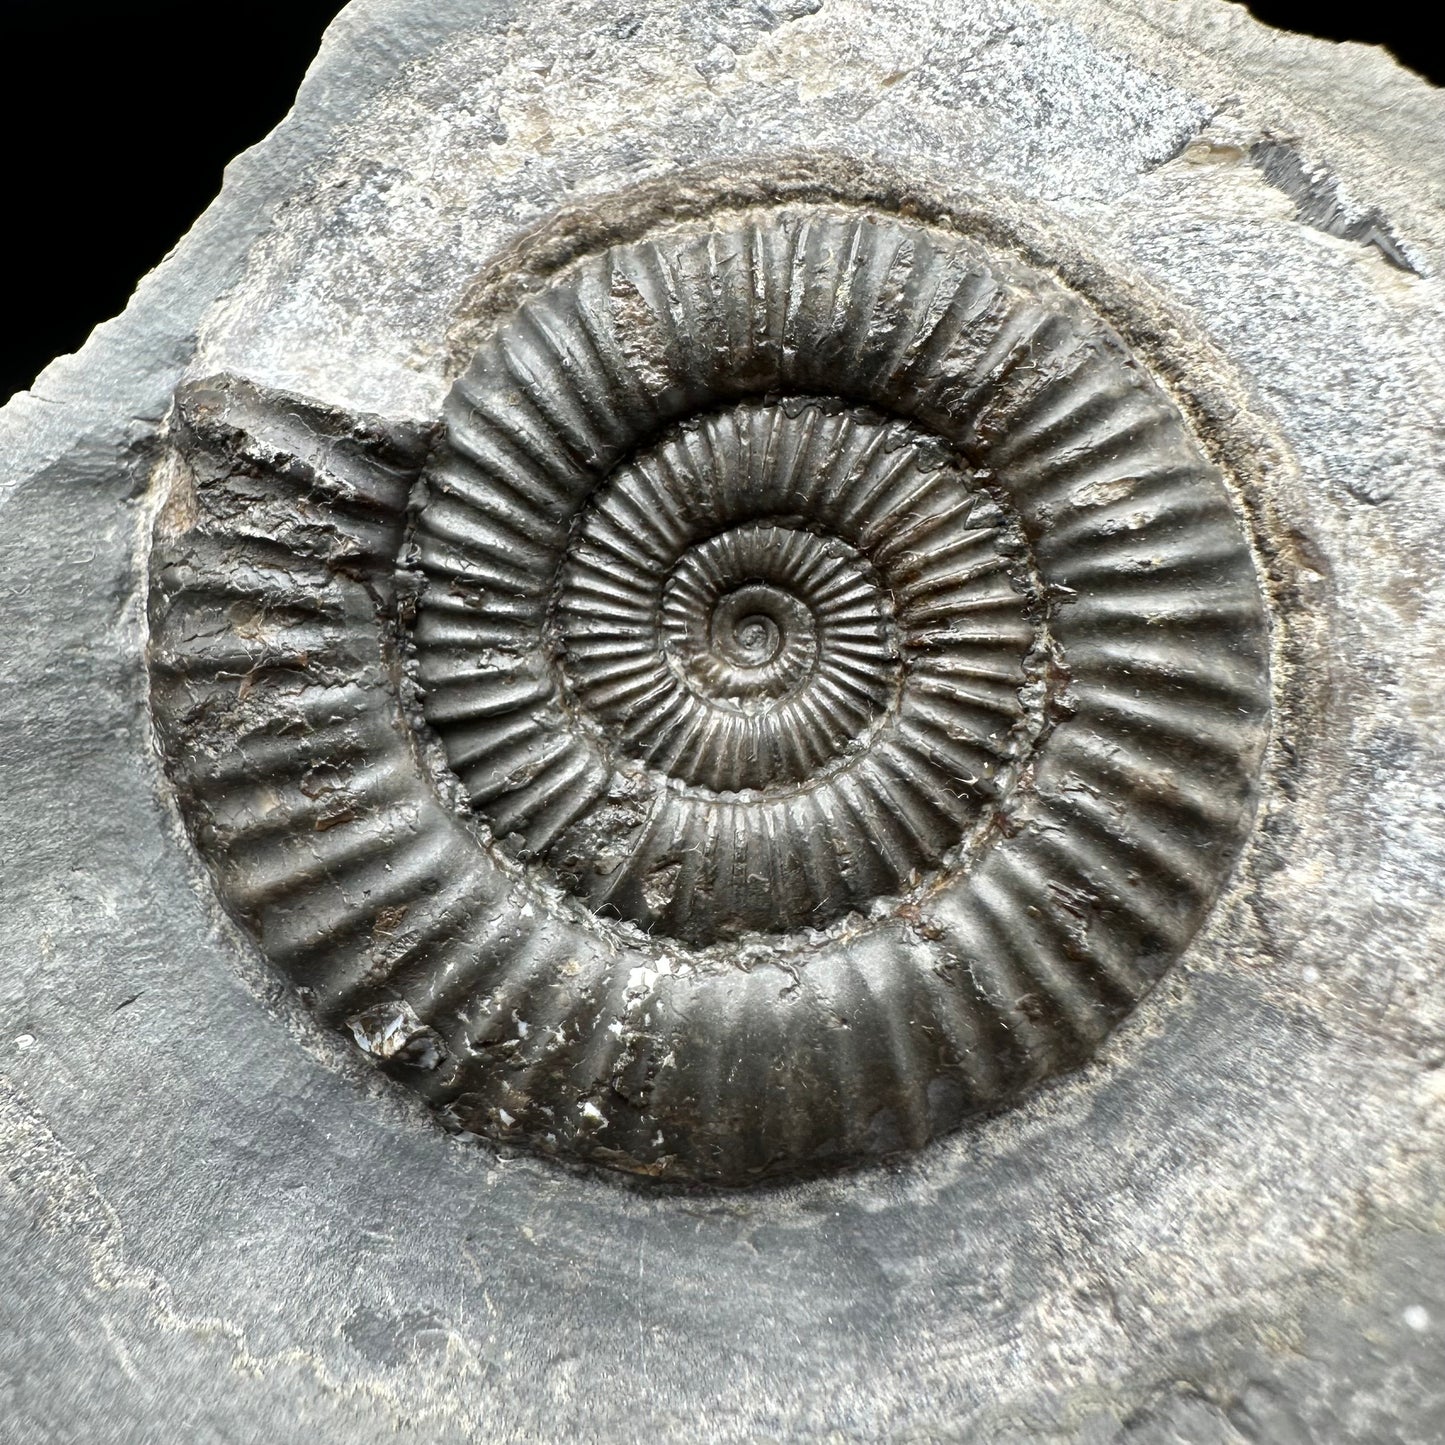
(220, 1223)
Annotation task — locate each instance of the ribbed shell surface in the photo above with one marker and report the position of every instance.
(851, 670)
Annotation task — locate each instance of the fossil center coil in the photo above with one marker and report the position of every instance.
(783, 624)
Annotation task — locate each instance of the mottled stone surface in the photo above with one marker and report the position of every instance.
(218, 1221)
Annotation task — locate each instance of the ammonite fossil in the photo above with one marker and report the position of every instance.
(806, 691)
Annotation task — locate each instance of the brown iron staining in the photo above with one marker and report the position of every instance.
(850, 673)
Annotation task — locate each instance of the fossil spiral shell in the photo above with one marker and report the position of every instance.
(850, 673)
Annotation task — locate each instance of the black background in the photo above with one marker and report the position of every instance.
(116, 120)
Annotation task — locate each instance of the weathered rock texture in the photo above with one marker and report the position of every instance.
(1111, 337)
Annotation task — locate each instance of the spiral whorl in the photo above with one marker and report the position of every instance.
(849, 673)
(764, 631)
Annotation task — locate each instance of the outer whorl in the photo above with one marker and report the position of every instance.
(853, 672)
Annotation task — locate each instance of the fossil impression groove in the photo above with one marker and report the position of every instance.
(854, 672)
